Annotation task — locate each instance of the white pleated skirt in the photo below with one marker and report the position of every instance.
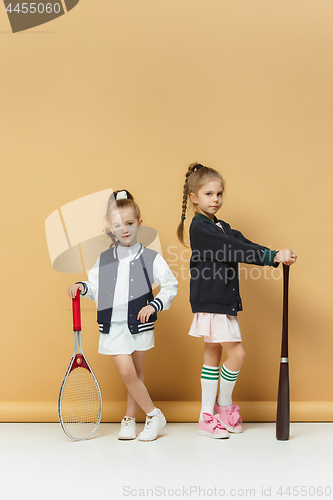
(216, 328)
(120, 340)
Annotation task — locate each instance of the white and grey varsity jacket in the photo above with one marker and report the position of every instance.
(146, 268)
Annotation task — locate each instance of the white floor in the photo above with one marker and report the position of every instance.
(38, 461)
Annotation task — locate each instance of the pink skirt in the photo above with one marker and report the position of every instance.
(216, 327)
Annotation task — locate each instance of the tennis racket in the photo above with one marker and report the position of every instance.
(283, 402)
(80, 399)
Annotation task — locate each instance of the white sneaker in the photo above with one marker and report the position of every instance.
(127, 429)
(152, 427)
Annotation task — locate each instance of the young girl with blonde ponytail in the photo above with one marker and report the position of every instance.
(121, 281)
(214, 295)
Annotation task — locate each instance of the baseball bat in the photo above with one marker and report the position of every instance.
(283, 400)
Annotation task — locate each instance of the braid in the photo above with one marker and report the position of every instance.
(180, 229)
(196, 176)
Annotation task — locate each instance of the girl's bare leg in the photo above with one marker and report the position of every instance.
(135, 386)
(234, 351)
(235, 355)
(139, 361)
(212, 354)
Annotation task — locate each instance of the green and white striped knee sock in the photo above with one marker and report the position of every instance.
(209, 383)
(227, 384)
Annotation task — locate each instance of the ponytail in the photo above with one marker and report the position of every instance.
(186, 193)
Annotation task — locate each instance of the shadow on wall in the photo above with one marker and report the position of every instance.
(75, 237)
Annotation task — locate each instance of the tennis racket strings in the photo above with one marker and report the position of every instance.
(80, 401)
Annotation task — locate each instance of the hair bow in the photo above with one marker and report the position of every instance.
(122, 195)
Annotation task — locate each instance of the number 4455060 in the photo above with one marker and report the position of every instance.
(32, 8)
(303, 491)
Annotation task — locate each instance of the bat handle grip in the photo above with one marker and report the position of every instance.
(76, 312)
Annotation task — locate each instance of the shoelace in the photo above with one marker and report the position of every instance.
(214, 420)
(234, 416)
(127, 421)
(148, 420)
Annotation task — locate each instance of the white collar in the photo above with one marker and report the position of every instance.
(137, 247)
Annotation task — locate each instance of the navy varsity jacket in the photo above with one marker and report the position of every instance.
(216, 253)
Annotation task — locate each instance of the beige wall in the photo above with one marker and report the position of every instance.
(126, 95)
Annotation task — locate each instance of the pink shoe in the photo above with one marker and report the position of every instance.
(230, 417)
(212, 427)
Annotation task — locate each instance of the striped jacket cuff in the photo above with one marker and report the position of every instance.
(84, 286)
(157, 304)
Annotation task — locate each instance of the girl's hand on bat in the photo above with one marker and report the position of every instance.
(286, 256)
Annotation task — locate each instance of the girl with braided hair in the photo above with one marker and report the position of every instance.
(121, 281)
(214, 295)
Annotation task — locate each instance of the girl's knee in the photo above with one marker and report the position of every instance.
(242, 356)
(127, 373)
(237, 356)
(239, 353)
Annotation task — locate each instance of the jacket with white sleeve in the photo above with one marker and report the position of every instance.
(146, 268)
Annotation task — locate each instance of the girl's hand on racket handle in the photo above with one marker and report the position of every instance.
(286, 256)
(144, 313)
(74, 288)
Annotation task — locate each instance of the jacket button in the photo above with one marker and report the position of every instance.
(131, 315)
(233, 309)
(132, 279)
(131, 296)
(234, 289)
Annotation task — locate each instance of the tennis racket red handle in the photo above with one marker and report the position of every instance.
(76, 312)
